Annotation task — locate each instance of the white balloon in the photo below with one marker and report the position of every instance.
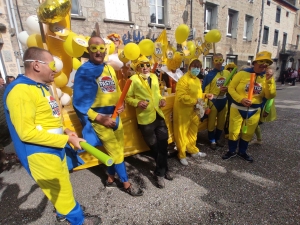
(22, 37)
(58, 91)
(33, 25)
(65, 99)
(58, 63)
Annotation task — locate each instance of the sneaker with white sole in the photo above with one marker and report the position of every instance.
(198, 154)
(255, 142)
(184, 162)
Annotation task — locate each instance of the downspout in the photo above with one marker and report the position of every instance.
(191, 25)
(260, 27)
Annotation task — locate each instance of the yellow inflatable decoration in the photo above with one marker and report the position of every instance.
(35, 40)
(53, 11)
(76, 63)
(181, 33)
(213, 36)
(192, 48)
(132, 51)
(111, 48)
(146, 47)
(71, 47)
(122, 57)
(67, 90)
(61, 80)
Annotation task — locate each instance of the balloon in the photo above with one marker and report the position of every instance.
(67, 90)
(61, 80)
(213, 36)
(111, 48)
(181, 33)
(132, 51)
(33, 25)
(58, 63)
(53, 11)
(71, 47)
(58, 91)
(122, 57)
(22, 37)
(65, 99)
(192, 48)
(76, 63)
(35, 40)
(146, 47)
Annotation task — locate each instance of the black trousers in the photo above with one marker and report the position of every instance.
(156, 137)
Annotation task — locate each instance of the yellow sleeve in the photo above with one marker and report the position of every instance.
(270, 88)
(22, 111)
(183, 96)
(92, 114)
(232, 87)
(130, 97)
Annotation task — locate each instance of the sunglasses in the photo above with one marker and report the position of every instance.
(95, 48)
(114, 39)
(218, 60)
(50, 64)
(263, 62)
(144, 65)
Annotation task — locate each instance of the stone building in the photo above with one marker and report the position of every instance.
(239, 22)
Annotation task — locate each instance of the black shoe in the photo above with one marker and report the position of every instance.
(160, 182)
(134, 191)
(228, 155)
(220, 144)
(246, 157)
(168, 176)
(213, 146)
(110, 184)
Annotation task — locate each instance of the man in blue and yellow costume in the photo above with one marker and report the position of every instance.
(244, 111)
(213, 83)
(185, 119)
(96, 92)
(144, 95)
(40, 140)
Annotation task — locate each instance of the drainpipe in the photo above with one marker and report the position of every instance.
(191, 14)
(260, 26)
(16, 25)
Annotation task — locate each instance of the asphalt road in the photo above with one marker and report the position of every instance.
(208, 191)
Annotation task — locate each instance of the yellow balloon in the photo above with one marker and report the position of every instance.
(61, 80)
(35, 40)
(132, 51)
(67, 90)
(192, 48)
(111, 48)
(213, 36)
(123, 58)
(146, 47)
(71, 47)
(76, 63)
(181, 33)
(53, 11)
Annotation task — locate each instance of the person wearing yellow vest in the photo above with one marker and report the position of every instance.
(144, 95)
(244, 109)
(185, 119)
(96, 93)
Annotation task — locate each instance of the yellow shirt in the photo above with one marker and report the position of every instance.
(239, 85)
(140, 91)
(32, 114)
(214, 86)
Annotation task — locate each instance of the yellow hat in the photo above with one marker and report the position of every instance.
(114, 36)
(141, 59)
(230, 66)
(194, 59)
(264, 55)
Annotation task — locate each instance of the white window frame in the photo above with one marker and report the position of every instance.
(234, 23)
(211, 15)
(164, 18)
(248, 27)
(116, 10)
(76, 3)
(231, 59)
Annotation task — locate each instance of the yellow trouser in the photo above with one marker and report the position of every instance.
(185, 133)
(236, 122)
(215, 115)
(113, 141)
(54, 180)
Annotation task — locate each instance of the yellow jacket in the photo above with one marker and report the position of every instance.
(140, 91)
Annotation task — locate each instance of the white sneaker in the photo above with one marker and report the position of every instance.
(184, 162)
(198, 154)
(255, 142)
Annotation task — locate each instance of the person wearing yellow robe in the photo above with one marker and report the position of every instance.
(185, 119)
(248, 110)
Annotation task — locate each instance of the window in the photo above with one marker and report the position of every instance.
(250, 60)
(275, 41)
(117, 9)
(211, 16)
(284, 40)
(287, 13)
(248, 27)
(157, 11)
(232, 19)
(75, 10)
(268, 2)
(278, 11)
(231, 59)
(297, 41)
(265, 35)
(208, 61)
